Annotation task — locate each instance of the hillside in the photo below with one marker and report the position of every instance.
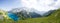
(53, 18)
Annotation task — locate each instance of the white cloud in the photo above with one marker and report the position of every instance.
(41, 5)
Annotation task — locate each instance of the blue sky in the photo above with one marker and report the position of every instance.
(9, 4)
(40, 5)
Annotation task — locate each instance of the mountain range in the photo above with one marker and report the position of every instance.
(24, 13)
(52, 18)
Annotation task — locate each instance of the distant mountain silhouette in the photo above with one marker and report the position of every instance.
(48, 13)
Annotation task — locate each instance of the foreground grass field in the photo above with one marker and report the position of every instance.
(34, 20)
(37, 20)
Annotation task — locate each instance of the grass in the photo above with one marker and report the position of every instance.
(33, 20)
(37, 20)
